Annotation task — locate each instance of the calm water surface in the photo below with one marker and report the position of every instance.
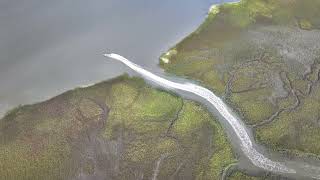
(48, 47)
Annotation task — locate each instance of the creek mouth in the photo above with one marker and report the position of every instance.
(253, 158)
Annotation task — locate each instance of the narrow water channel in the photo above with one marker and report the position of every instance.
(253, 158)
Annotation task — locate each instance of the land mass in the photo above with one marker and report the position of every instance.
(119, 129)
(263, 57)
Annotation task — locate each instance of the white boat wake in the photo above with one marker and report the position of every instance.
(255, 157)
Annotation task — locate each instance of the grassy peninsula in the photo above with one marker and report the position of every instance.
(263, 58)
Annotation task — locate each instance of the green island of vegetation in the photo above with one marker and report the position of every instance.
(261, 56)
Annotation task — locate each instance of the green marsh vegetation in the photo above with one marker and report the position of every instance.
(263, 58)
(119, 129)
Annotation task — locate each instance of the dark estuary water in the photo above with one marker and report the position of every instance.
(48, 47)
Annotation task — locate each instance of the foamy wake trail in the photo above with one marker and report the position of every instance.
(247, 147)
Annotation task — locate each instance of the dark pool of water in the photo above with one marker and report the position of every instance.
(48, 47)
